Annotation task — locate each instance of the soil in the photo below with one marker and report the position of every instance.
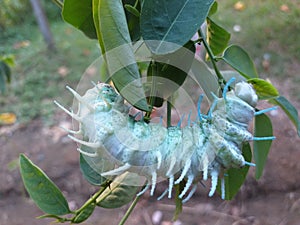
(272, 200)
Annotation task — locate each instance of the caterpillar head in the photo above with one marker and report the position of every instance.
(239, 104)
(246, 92)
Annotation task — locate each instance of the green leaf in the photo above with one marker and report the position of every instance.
(120, 192)
(41, 189)
(171, 70)
(168, 24)
(239, 59)
(213, 9)
(236, 176)
(263, 88)
(8, 59)
(206, 79)
(289, 110)
(5, 75)
(118, 52)
(79, 14)
(132, 10)
(89, 173)
(262, 128)
(84, 214)
(217, 37)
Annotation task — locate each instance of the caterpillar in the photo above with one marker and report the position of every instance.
(203, 149)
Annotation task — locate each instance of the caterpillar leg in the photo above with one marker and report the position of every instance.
(171, 184)
(153, 185)
(162, 195)
(186, 167)
(172, 164)
(228, 83)
(80, 99)
(265, 110)
(117, 171)
(223, 188)
(191, 193)
(88, 144)
(144, 190)
(214, 181)
(199, 107)
(73, 115)
(94, 154)
(271, 138)
(187, 186)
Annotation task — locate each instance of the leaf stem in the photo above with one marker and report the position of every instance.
(221, 79)
(94, 197)
(58, 3)
(129, 211)
(169, 110)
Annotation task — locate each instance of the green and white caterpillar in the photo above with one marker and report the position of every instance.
(203, 149)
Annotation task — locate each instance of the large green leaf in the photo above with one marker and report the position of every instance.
(235, 177)
(89, 173)
(263, 88)
(217, 37)
(239, 59)
(289, 109)
(167, 25)
(115, 42)
(171, 70)
(262, 128)
(41, 189)
(206, 78)
(79, 14)
(120, 192)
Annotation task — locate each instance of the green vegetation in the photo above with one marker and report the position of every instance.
(268, 33)
(38, 76)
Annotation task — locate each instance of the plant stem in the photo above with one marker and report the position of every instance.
(169, 110)
(129, 211)
(152, 90)
(94, 197)
(221, 79)
(58, 3)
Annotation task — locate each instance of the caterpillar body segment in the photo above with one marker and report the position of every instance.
(203, 149)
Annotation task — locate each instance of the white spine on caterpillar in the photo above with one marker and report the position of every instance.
(197, 152)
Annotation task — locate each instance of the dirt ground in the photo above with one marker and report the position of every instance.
(273, 200)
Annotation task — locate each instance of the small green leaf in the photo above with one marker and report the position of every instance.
(206, 79)
(133, 18)
(118, 51)
(289, 110)
(235, 177)
(84, 214)
(132, 10)
(79, 14)
(120, 192)
(213, 9)
(262, 128)
(41, 189)
(217, 37)
(167, 25)
(89, 173)
(239, 59)
(263, 88)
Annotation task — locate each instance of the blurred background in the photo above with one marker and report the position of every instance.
(42, 62)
